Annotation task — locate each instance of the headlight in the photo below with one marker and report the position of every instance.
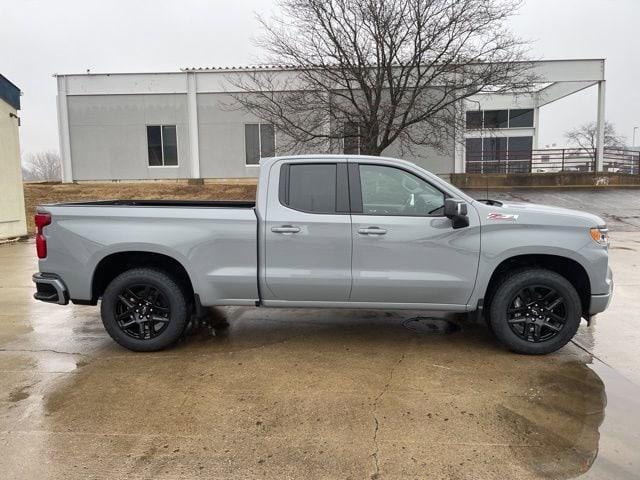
(600, 235)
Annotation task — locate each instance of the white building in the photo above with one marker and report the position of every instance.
(12, 217)
(136, 126)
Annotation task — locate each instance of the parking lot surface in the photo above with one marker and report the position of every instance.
(261, 393)
(620, 208)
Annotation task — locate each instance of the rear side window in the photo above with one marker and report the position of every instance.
(315, 187)
(312, 187)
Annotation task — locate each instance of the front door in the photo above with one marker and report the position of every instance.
(308, 233)
(404, 249)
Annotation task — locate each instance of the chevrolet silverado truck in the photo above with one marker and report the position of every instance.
(328, 232)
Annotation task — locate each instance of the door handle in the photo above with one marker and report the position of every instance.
(285, 229)
(372, 231)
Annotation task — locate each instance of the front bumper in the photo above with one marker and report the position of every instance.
(599, 303)
(50, 288)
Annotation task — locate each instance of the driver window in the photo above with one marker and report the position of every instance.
(391, 191)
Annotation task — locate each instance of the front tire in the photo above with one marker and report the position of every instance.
(144, 310)
(535, 311)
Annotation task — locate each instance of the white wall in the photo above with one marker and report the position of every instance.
(108, 135)
(221, 142)
(12, 215)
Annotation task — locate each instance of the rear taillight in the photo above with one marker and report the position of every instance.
(41, 221)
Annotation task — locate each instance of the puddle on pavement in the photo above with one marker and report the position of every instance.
(580, 420)
(558, 419)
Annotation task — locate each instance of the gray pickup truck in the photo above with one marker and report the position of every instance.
(328, 231)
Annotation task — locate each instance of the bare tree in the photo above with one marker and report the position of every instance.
(42, 166)
(373, 72)
(585, 137)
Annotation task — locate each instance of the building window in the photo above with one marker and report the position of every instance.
(521, 118)
(494, 152)
(351, 138)
(474, 119)
(520, 153)
(499, 154)
(162, 145)
(496, 119)
(516, 118)
(259, 142)
(474, 155)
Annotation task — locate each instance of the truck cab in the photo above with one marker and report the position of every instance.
(362, 232)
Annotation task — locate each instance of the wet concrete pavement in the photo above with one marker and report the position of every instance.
(315, 394)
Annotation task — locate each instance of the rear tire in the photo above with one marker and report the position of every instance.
(535, 311)
(144, 310)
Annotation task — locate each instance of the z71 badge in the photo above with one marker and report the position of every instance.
(503, 216)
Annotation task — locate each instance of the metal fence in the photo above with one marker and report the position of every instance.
(555, 160)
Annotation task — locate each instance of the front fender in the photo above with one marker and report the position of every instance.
(502, 242)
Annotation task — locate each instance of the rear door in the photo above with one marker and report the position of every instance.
(308, 232)
(404, 249)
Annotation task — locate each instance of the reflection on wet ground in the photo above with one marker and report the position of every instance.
(253, 393)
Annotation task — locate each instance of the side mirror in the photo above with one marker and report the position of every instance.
(456, 210)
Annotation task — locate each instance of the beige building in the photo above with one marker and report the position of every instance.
(12, 218)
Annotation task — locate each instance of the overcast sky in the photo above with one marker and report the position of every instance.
(42, 37)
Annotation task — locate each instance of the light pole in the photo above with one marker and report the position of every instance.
(635, 129)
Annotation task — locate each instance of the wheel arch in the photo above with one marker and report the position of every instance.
(112, 265)
(569, 268)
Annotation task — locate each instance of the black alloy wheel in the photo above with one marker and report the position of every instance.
(142, 312)
(534, 311)
(537, 313)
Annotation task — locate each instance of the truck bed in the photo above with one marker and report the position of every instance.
(164, 203)
(214, 241)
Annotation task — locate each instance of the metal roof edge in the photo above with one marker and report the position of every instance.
(270, 67)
